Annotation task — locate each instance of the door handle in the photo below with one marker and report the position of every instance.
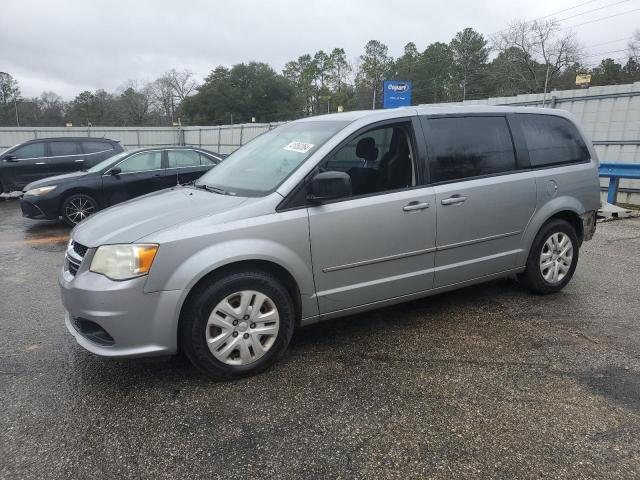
(80, 160)
(41, 163)
(413, 206)
(453, 200)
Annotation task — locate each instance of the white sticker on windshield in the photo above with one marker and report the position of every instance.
(299, 147)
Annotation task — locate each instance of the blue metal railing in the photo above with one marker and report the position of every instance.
(616, 171)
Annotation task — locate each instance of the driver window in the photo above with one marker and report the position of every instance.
(143, 161)
(32, 150)
(379, 160)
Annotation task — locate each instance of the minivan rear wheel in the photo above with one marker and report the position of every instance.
(237, 326)
(553, 258)
(77, 207)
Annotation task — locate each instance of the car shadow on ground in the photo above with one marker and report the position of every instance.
(42, 229)
(432, 315)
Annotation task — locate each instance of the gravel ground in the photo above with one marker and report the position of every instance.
(485, 382)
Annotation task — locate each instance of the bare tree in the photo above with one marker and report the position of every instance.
(634, 47)
(169, 91)
(182, 82)
(540, 49)
(51, 107)
(164, 96)
(9, 93)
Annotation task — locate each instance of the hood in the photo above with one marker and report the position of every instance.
(129, 221)
(57, 180)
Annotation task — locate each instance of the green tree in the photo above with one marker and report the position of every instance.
(607, 73)
(81, 109)
(302, 74)
(434, 80)
(632, 70)
(242, 92)
(470, 55)
(340, 70)
(407, 67)
(375, 66)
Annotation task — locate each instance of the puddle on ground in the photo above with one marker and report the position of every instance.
(617, 384)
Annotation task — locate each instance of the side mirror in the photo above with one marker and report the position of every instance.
(329, 186)
(115, 171)
(10, 158)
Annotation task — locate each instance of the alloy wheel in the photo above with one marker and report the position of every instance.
(78, 209)
(556, 257)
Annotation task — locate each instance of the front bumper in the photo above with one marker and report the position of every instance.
(39, 208)
(139, 324)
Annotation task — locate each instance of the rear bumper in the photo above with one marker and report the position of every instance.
(588, 225)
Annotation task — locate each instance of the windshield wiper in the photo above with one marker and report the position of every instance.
(209, 188)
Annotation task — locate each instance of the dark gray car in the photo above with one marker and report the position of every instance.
(46, 157)
(328, 216)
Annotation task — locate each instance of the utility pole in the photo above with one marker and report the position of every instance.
(546, 82)
(15, 105)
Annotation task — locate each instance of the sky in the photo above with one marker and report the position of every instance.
(68, 46)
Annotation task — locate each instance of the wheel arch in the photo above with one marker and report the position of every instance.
(564, 208)
(267, 266)
(75, 190)
(572, 218)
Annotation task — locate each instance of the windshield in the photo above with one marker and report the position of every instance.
(98, 167)
(264, 163)
(2, 152)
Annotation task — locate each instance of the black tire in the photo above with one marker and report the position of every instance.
(196, 314)
(77, 199)
(532, 277)
(3, 187)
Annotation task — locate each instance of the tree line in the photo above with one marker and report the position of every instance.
(525, 57)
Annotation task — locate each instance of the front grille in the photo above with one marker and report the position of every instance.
(72, 267)
(80, 249)
(75, 254)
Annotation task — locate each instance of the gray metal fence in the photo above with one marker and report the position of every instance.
(223, 139)
(609, 114)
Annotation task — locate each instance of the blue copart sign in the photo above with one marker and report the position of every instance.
(397, 94)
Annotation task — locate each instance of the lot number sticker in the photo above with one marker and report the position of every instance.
(299, 147)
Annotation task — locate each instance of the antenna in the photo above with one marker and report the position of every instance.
(177, 175)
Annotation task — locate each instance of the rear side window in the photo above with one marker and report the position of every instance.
(183, 158)
(141, 162)
(206, 160)
(469, 147)
(33, 150)
(57, 149)
(552, 140)
(94, 147)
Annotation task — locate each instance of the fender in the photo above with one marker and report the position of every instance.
(548, 210)
(228, 252)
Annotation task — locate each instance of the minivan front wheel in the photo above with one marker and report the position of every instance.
(238, 325)
(553, 258)
(77, 207)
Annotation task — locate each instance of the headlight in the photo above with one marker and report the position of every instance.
(122, 262)
(39, 191)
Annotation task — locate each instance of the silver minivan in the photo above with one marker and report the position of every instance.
(327, 216)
